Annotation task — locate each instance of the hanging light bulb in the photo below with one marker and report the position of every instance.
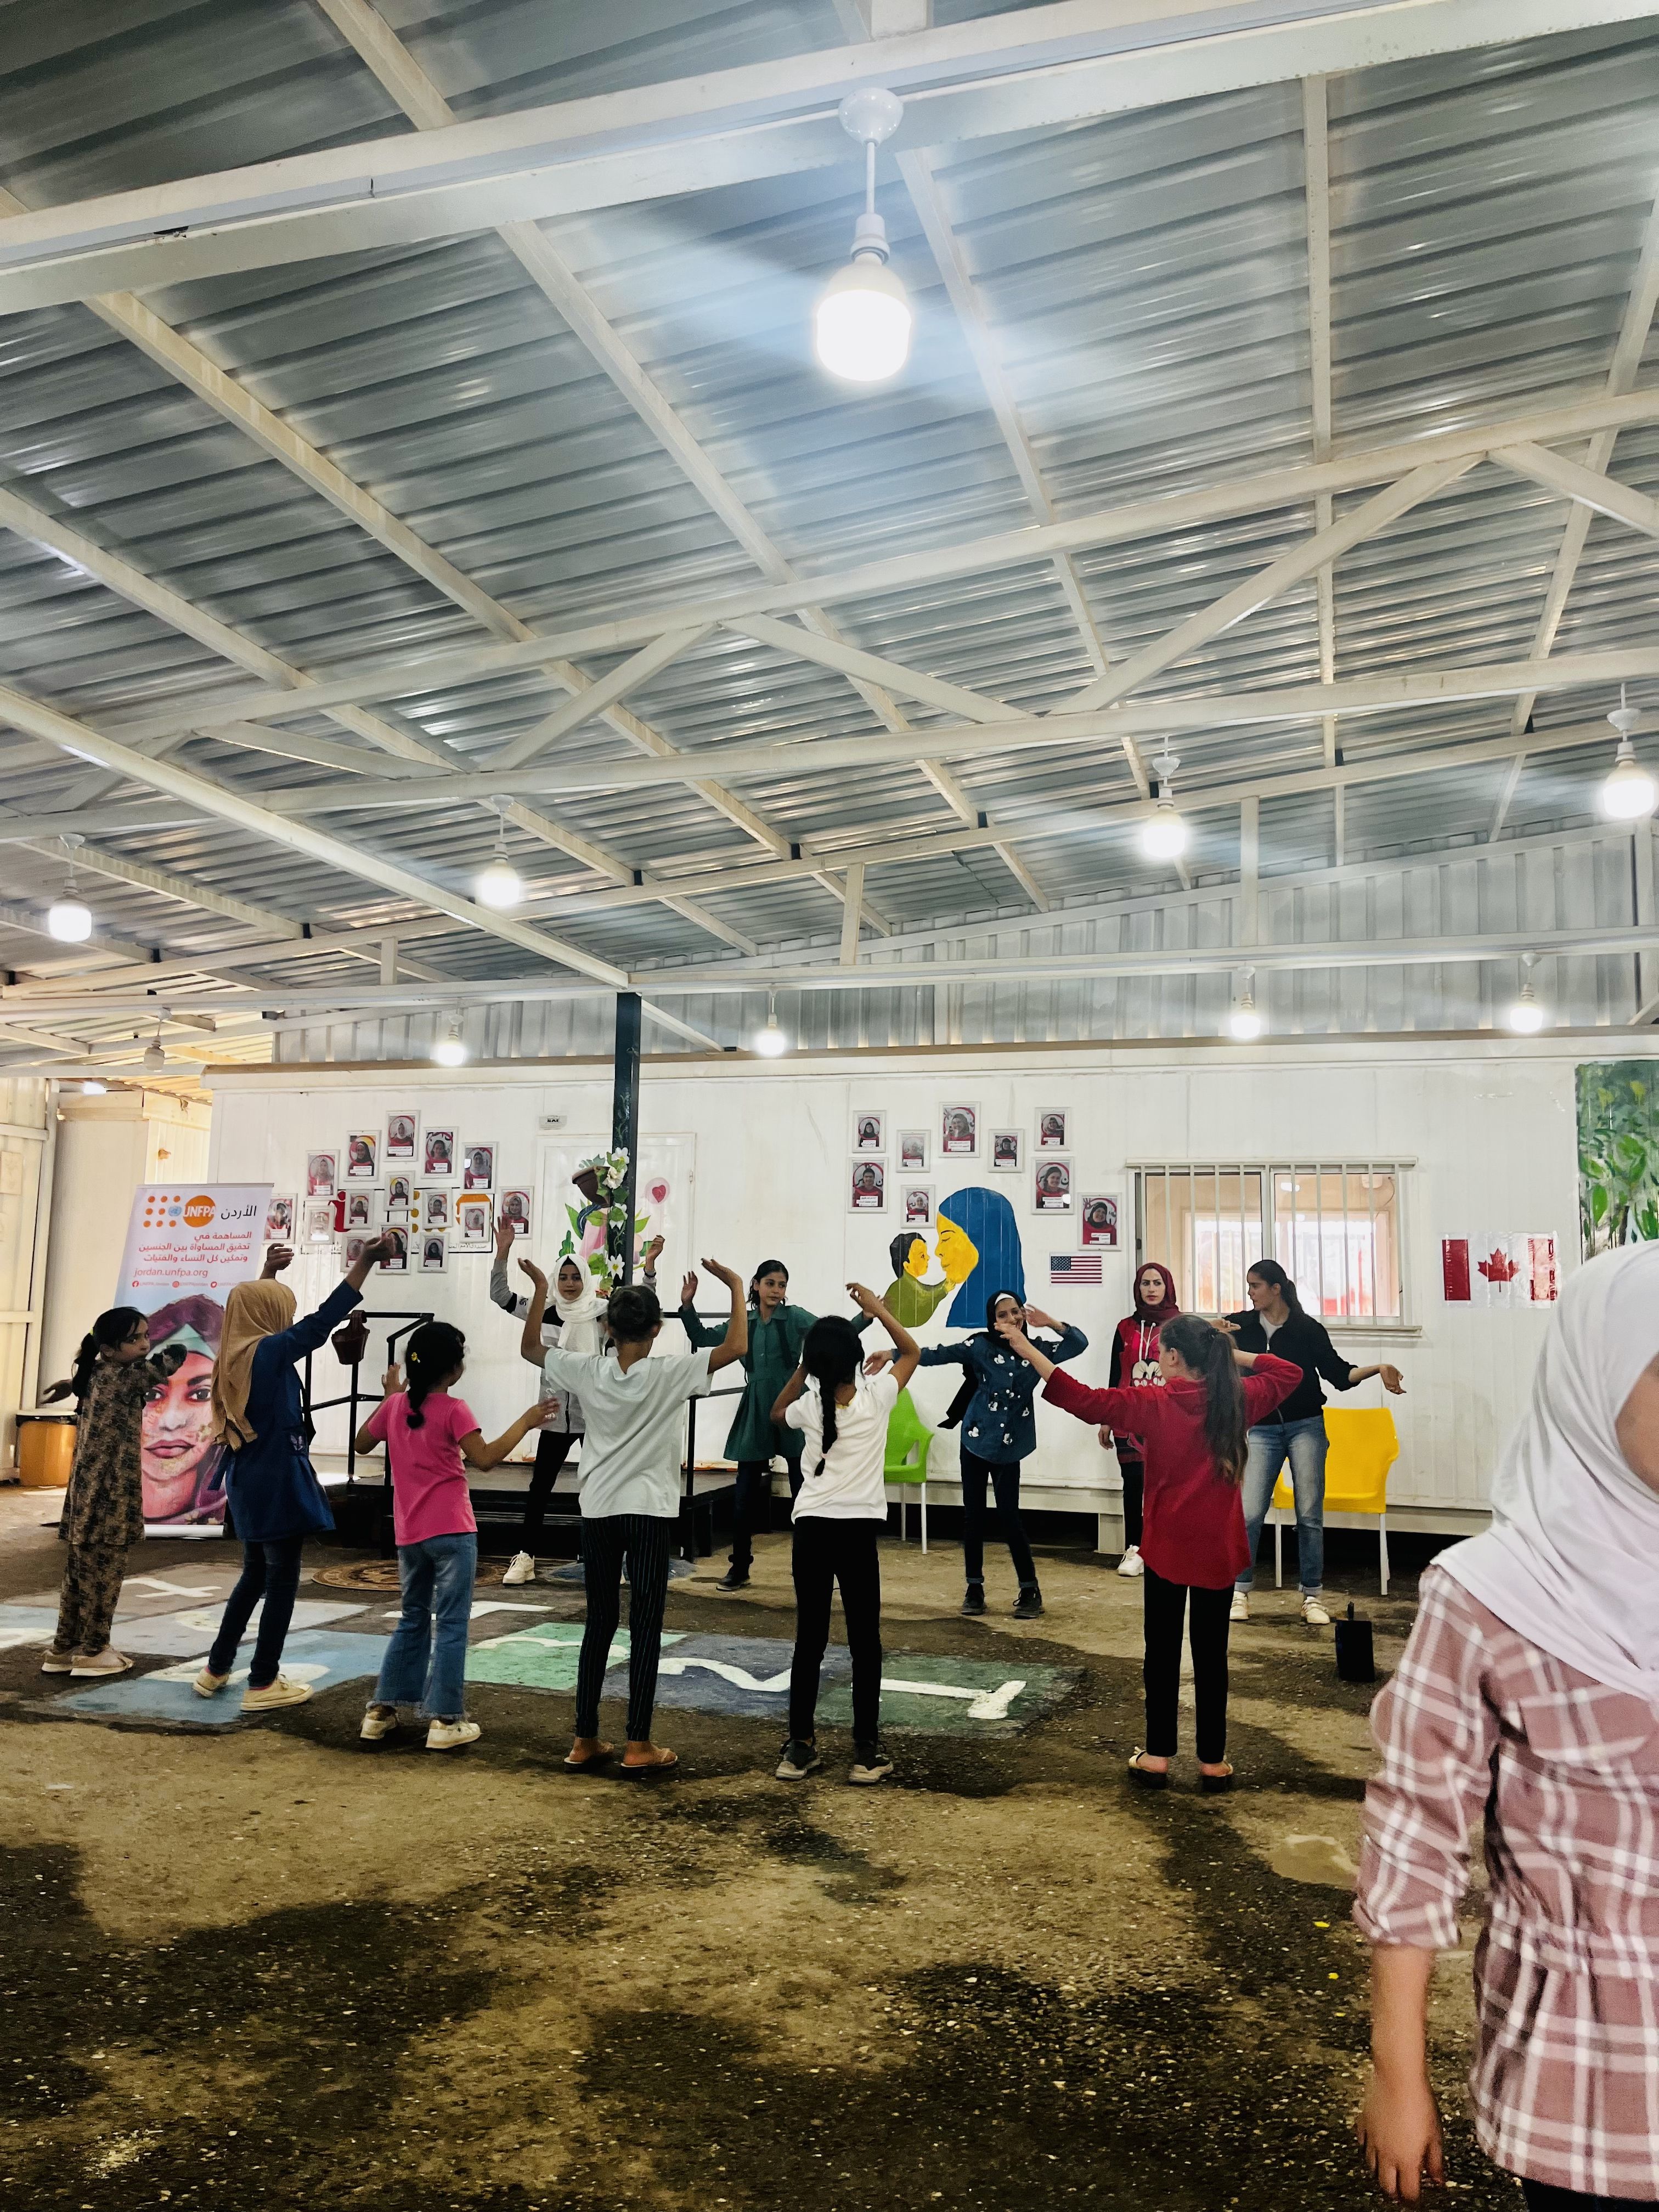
(1244, 1022)
(450, 1050)
(155, 1058)
(1629, 792)
(862, 323)
(93, 1088)
(500, 884)
(770, 1041)
(1163, 835)
(1525, 1017)
(67, 919)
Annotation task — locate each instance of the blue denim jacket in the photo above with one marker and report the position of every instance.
(272, 1486)
(999, 1423)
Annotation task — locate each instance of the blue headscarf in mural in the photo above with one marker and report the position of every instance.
(986, 1218)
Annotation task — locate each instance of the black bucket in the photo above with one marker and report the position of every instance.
(1355, 1660)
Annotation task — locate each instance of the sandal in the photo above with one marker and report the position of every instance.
(575, 1766)
(1149, 1778)
(663, 1764)
(1213, 1785)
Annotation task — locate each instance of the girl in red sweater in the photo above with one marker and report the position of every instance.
(1191, 1431)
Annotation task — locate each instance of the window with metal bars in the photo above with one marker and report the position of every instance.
(1333, 1226)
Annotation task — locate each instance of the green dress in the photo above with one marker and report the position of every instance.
(773, 1356)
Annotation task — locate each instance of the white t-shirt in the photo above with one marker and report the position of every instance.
(631, 1453)
(852, 1487)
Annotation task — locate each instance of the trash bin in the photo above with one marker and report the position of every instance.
(45, 1449)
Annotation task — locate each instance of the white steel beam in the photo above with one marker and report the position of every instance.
(1592, 488)
(1317, 179)
(607, 691)
(97, 862)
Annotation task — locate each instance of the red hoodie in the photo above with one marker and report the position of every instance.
(1194, 1531)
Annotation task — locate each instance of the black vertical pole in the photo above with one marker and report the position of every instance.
(625, 1115)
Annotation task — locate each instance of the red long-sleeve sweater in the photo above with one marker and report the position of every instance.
(1194, 1530)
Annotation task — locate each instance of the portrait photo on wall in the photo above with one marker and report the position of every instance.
(400, 1137)
(1053, 1185)
(438, 1153)
(867, 1188)
(320, 1176)
(474, 1222)
(318, 1223)
(361, 1209)
(352, 1249)
(1100, 1221)
(477, 1167)
(515, 1211)
(399, 1192)
(1051, 1133)
(1005, 1149)
(918, 1205)
(362, 1152)
(959, 1129)
(913, 1152)
(869, 1132)
(434, 1250)
(435, 1207)
(396, 1260)
(281, 1215)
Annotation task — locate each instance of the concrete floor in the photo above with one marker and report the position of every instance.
(276, 1968)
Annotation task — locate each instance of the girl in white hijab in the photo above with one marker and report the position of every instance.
(1528, 1694)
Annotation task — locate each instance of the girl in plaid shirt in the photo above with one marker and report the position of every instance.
(1529, 1692)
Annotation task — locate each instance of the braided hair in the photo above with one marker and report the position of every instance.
(831, 1358)
(109, 1330)
(1209, 1353)
(436, 1350)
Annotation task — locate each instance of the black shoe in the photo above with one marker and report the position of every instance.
(1029, 1606)
(973, 1601)
(734, 1578)
(870, 1763)
(797, 1760)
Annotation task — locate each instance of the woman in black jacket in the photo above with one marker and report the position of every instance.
(1275, 1321)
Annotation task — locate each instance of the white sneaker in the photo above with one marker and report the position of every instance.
(1313, 1612)
(450, 1735)
(282, 1692)
(379, 1721)
(1241, 1606)
(523, 1569)
(1131, 1562)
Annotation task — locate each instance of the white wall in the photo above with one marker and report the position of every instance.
(26, 1132)
(766, 1148)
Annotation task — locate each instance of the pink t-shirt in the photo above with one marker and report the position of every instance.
(429, 1496)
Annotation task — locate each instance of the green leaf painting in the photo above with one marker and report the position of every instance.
(1617, 1154)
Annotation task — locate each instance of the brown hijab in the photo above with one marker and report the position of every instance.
(253, 1311)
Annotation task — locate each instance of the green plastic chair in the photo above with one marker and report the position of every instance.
(910, 1439)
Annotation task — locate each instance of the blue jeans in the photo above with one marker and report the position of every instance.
(1303, 1443)
(271, 1569)
(425, 1662)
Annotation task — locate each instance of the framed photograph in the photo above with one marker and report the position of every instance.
(478, 1166)
(435, 1252)
(869, 1132)
(434, 1206)
(363, 1153)
(913, 1152)
(959, 1132)
(320, 1174)
(352, 1249)
(916, 1203)
(866, 1190)
(516, 1206)
(1051, 1186)
(399, 1193)
(318, 1221)
(474, 1220)
(399, 1137)
(1051, 1133)
(396, 1260)
(1005, 1149)
(1100, 1221)
(438, 1154)
(281, 1216)
(363, 1210)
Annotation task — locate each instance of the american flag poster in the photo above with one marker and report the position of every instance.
(1067, 1268)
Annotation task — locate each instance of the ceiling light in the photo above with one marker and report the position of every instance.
(1525, 1017)
(1243, 1022)
(1164, 835)
(67, 919)
(1629, 792)
(450, 1051)
(500, 884)
(770, 1041)
(862, 323)
(155, 1058)
(93, 1088)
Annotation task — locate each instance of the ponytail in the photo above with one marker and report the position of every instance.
(831, 1358)
(1270, 1272)
(1209, 1353)
(435, 1351)
(110, 1329)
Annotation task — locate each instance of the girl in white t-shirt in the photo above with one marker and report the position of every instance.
(842, 1510)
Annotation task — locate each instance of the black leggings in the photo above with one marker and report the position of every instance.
(1163, 1605)
(1004, 1477)
(751, 1509)
(553, 1448)
(1133, 1472)
(644, 1542)
(1544, 2196)
(827, 1553)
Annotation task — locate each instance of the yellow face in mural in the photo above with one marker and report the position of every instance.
(916, 1265)
(959, 1254)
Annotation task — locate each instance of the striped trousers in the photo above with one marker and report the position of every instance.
(644, 1542)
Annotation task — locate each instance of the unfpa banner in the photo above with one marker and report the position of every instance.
(187, 1246)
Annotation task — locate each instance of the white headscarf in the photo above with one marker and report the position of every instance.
(1571, 1559)
(578, 1318)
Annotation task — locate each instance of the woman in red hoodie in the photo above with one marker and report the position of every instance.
(1193, 1434)
(1135, 1361)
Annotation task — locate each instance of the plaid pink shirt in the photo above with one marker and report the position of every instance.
(1565, 2079)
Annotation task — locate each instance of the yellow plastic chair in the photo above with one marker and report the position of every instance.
(1363, 1445)
(910, 1439)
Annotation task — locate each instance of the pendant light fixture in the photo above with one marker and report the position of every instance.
(1244, 1022)
(1163, 835)
(450, 1049)
(1525, 1017)
(1629, 792)
(771, 1041)
(862, 323)
(155, 1058)
(67, 919)
(500, 884)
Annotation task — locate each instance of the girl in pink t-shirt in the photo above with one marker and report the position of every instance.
(431, 1440)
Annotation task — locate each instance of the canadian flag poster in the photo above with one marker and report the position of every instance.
(1503, 1268)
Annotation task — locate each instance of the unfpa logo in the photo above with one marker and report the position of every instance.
(199, 1211)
